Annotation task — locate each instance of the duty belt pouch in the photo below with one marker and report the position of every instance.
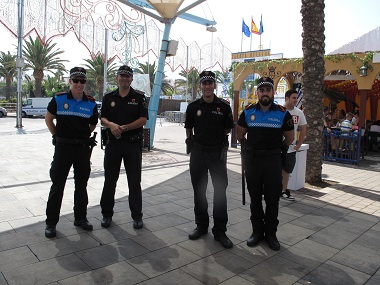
(135, 138)
(104, 136)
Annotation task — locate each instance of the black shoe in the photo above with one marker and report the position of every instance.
(138, 224)
(50, 231)
(197, 233)
(254, 239)
(224, 240)
(272, 242)
(106, 222)
(84, 224)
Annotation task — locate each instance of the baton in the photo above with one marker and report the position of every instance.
(242, 178)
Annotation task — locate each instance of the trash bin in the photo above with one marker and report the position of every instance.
(297, 177)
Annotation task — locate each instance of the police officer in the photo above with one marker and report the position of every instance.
(124, 113)
(265, 124)
(208, 123)
(76, 117)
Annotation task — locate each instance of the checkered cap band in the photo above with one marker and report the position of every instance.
(78, 73)
(124, 69)
(265, 83)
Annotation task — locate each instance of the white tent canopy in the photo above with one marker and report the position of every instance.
(367, 42)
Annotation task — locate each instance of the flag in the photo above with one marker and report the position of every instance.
(254, 29)
(245, 29)
(261, 26)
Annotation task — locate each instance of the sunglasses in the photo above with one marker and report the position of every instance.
(83, 81)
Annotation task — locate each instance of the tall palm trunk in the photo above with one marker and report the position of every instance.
(313, 46)
(38, 76)
(99, 86)
(8, 86)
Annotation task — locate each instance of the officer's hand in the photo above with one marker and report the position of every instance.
(53, 140)
(189, 144)
(115, 130)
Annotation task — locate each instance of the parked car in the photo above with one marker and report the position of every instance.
(3, 112)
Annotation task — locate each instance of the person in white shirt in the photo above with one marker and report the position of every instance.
(289, 160)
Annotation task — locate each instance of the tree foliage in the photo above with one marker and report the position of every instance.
(42, 58)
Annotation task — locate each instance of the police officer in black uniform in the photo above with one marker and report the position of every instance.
(270, 130)
(76, 117)
(124, 113)
(208, 122)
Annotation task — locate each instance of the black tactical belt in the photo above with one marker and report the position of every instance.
(71, 141)
(262, 152)
(198, 146)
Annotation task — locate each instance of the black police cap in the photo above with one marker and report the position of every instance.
(265, 81)
(125, 69)
(206, 76)
(78, 72)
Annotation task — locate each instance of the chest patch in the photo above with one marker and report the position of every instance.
(66, 106)
(113, 104)
(253, 117)
(199, 113)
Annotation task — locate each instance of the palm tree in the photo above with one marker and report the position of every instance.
(8, 70)
(40, 58)
(191, 81)
(53, 85)
(313, 46)
(95, 72)
(150, 69)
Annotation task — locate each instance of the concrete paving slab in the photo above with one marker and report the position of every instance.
(120, 273)
(217, 268)
(331, 273)
(275, 271)
(359, 257)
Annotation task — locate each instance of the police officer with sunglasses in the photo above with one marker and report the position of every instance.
(71, 118)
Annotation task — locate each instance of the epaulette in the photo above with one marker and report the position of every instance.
(281, 108)
(139, 92)
(194, 100)
(225, 101)
(249, 106)
(60, 93)
(90, 98)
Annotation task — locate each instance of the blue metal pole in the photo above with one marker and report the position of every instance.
(156, 92)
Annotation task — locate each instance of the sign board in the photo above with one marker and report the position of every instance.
(251, 54)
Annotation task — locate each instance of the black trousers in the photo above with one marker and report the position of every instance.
(201, 162)
(65, 156)
(130, 153)
(264, 177)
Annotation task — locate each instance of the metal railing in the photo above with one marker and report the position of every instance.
(341, 146)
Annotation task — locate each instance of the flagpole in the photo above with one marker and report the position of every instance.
(241, 45)
(250, 45)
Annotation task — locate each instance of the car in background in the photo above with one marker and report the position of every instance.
(3, 112)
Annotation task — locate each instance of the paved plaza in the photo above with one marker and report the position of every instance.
(329, 235)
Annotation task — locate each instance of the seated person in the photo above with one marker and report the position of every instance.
(346, 125)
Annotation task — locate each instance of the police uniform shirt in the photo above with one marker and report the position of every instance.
(209, 121)
(265, 129)
(124, 110)
(73, 117)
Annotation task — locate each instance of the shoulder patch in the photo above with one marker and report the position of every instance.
(61, 93)
(90, 98)
(249, 106)
(225, 101)
(281, 108)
